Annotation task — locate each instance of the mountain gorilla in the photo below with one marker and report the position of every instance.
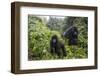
(57, 47)
(72, 35)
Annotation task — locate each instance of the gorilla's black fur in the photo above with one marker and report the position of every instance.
(57, 47)
(72, 35)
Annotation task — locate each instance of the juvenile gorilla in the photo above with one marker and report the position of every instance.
(57, 47)
(72, 35)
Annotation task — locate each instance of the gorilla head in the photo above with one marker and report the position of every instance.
(54, 39)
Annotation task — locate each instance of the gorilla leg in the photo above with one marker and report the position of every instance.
(63, 50)
(58, 52)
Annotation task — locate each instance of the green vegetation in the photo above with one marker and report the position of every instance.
(40, 31)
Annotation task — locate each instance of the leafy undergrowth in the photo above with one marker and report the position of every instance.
(39, 36)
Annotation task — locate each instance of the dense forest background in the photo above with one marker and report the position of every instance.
(42, 28)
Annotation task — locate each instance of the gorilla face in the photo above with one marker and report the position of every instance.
(54, 40)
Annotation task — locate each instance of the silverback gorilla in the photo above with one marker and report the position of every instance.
(57, 47)
(72, 35)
